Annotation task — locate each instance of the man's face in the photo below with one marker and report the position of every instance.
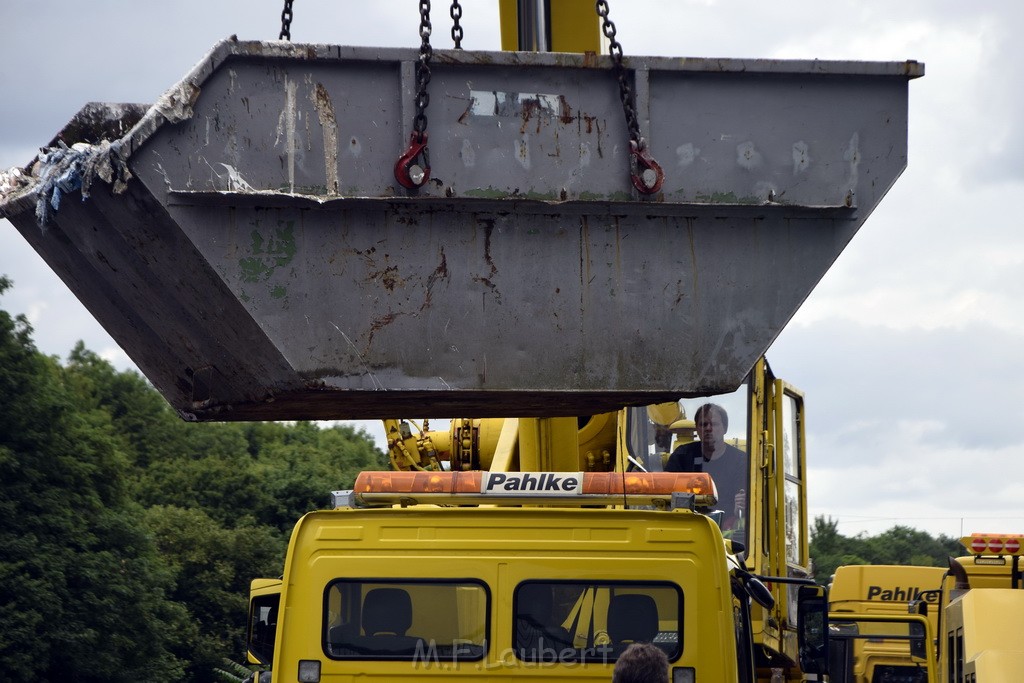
(710, 427)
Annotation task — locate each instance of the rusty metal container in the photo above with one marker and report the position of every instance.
(245, 240)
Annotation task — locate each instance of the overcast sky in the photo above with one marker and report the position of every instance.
(908, 350)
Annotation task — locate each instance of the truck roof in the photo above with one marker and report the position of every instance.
(492, 530)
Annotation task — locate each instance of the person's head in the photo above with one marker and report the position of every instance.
(711, 422)
(641, 663)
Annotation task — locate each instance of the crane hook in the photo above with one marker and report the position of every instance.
(646, 174)
(412, 169)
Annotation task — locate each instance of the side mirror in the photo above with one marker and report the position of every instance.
(759, 592)
(755, 588)
(812, 629)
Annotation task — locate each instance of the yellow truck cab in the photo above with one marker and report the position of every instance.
(975, 608)
(481, 575)
(982, 620)
(873, 634)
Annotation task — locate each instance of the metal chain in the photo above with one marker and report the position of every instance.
(456, 13)
(286, 21)
(625, 92)
(412, 170)
(645, 173)
(419, 124)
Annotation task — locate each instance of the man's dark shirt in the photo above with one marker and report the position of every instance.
(729, 472)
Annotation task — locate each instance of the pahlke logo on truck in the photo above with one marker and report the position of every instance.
(899, 594)
(532, 483)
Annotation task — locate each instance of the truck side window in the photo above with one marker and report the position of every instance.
(423, 621)
(564, 621)
(263, 627)
(538, 634)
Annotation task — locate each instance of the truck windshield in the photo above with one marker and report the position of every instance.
(416, 620)
(708, 434)
(559, 621)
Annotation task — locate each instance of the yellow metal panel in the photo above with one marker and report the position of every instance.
(993, 619)
(574, 24)
(996, 666)
(508, 15)
(340, 533)
(597, 437)
(549, 444)
(990, 574)
(507, 446)
(264, 586)
(659, 535)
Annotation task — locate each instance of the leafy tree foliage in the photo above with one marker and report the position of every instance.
(212, 566)
(130, 536)
(899, 545)
(82, 589)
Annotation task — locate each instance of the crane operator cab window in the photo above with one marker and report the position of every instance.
(564, 621)
(708, 434)
(415, 620)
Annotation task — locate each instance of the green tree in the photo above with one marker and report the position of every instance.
(302, 468)
(830, 549)
(905, 545)
(135, 534)
(212, 567)
(898, 545)
(142, 420)
(82, 590)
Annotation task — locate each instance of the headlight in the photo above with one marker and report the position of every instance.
(309, 671)
(683, 674)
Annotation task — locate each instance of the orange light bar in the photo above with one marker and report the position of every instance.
(418, 482)
(648, 483)
(993, 544)
(579, 486)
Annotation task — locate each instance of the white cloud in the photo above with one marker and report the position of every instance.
(908, 472)
(115, 355)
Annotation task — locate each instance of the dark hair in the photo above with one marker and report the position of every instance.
(641, 663)
(717, 408)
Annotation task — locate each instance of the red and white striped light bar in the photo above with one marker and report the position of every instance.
(993, 544)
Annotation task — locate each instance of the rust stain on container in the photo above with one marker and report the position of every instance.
(388, 277)
(325, 113)
(565, 114)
